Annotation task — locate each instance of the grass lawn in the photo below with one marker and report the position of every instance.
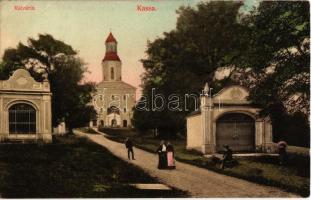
(71, 167)
(294, 177)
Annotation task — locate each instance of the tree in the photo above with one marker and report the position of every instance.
(205, 38)
(267, 50)
(58, 61)
(278, 59)
(2, 76)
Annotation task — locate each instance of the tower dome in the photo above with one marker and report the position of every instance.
(111, 48)
(111, 62)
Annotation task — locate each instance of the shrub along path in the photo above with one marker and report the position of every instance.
(198, 182)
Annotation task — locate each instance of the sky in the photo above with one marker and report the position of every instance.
(85, 26)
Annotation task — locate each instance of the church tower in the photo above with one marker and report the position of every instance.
(114, 99)
(111, 63)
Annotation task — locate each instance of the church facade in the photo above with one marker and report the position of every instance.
(25, 109)
(114, 98)
(228, 118)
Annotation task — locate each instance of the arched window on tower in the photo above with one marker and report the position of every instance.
(112, 73)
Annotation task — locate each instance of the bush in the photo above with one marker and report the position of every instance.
(254, 172)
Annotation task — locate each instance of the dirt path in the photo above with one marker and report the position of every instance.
(198, 182)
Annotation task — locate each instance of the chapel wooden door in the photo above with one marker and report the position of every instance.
(236, 130)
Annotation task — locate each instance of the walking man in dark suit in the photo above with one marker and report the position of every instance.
(129, 146)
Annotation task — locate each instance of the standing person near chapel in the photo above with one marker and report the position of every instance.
(129, 146)
(282, 145)
(170, 156)
(162, 155)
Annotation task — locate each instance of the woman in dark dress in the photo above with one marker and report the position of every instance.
(162, 156)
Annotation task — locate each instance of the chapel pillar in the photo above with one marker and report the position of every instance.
(268, 140)
(208, 146)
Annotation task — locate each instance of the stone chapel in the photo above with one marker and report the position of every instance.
(25, 109)
(228, 118)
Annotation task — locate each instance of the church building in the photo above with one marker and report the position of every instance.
(114, 98)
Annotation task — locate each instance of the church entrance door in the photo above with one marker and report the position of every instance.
(114, 123)
(236, 130)
(124, 123)
(113, 117)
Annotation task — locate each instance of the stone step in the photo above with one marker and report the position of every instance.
(243, 155)
(150, 186)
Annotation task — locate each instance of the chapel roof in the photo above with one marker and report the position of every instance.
(196, 112)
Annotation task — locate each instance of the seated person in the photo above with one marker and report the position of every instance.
(227, 158)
